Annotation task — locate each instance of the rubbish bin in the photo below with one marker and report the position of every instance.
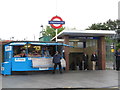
(6, 68)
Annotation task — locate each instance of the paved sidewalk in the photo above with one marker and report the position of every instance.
(71, 79)
(0, 82)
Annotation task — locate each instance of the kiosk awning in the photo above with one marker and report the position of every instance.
(17, 43)
(45, 43)
(36, 43)
(49, 44)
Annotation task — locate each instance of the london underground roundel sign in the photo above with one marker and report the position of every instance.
(56, 22)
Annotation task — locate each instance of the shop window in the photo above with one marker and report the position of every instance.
(80, 44)
(7, 56)
(71, 43)
(40, 51)
(94, 43)
(19, 51)
(35, 51)
(91, 43)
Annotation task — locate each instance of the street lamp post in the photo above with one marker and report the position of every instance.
(41, 31)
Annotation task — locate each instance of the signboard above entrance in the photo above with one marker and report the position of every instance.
(84, 37)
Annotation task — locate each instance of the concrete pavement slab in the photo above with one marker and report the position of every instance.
(0, 82)
(73, 79)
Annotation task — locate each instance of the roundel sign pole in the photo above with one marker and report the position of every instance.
(56, 22)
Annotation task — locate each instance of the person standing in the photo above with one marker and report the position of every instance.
(94, 59)
(45, 52)
(85, 61)
(56, 60)
(117, 54)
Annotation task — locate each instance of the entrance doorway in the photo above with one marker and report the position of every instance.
(75, 61)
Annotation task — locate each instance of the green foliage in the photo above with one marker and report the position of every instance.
(108, 25)
(118, 46)
(108, 39)
(49, 31)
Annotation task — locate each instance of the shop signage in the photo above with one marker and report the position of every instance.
(2, 68)
(44, 63)
(20, 59)
(96, 38)
(8, 48)
(56, 22)
(43, 68)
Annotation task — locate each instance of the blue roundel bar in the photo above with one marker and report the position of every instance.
(56, 22)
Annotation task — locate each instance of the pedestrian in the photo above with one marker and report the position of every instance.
(56, 60)
(117, 54)
(85, 61)
(94, 59)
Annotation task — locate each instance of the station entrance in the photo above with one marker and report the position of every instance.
(88, 41)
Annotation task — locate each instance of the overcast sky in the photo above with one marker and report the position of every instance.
(22, 18)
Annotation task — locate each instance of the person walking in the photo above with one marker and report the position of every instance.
(117, 54)
(85, 61)
(94, 59)
(56, 60)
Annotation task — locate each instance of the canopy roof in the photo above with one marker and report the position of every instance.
(85, 33)
(19, 43)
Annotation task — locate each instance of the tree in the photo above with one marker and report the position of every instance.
(118, 46)
(49, 31)
(108, 25)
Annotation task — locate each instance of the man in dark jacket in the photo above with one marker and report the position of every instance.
(56, 60)
(85, 60)
(94, 59)
(117, 54)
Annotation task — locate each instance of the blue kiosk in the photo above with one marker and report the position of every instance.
(30, 56)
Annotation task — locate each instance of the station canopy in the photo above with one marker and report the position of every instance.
(86, 33)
